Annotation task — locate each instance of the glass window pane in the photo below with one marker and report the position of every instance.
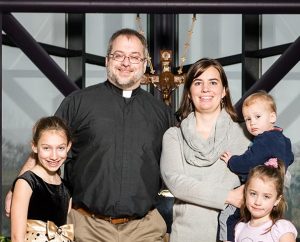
(27, 95)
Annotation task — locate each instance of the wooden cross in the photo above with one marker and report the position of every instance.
(166, 82)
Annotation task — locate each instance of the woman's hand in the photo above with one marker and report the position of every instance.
(236, 196)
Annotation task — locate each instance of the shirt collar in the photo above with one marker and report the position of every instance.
(119, 91)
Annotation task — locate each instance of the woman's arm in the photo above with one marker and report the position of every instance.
(235, 196)
(19, 210)
(202, 191)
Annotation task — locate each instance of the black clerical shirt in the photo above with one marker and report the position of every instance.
(113, 168)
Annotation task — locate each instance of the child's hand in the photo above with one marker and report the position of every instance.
(226, 156)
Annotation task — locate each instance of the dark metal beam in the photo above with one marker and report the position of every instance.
(236, 59)
(75, 26)
(100, 60)
(37, 54)
(51, 49)
(155, 6)
(225, 61)
(62, 52)
(163, 36)
(251, 41)
(267, 52)
(1, 185)
(275, 73)
(95, 59)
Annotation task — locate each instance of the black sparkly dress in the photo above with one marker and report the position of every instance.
(48, 202)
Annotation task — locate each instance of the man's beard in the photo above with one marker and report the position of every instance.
(127, 84)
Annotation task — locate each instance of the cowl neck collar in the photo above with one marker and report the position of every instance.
(205, 152)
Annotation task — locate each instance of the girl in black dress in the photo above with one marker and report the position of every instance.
(41, 199)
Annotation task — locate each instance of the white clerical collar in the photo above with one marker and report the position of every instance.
(127, 94)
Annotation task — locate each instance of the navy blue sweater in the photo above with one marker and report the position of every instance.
(265, 146)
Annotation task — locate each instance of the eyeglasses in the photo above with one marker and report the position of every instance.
(120, 57)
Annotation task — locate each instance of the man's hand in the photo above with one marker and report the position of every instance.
(8, 199)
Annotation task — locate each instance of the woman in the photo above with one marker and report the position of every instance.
(190, 161)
